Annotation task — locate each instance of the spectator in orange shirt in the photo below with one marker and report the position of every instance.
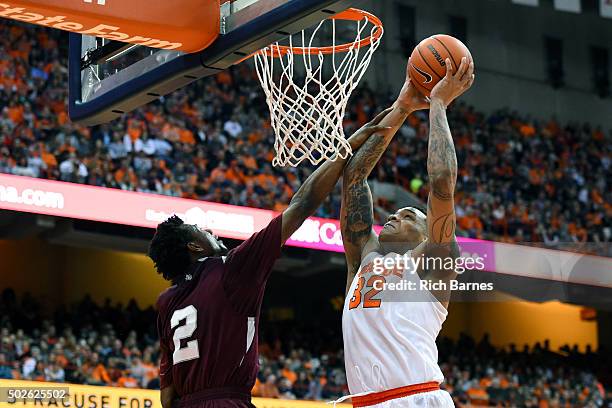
(288, 373)
(97, 371)
(478, 396)
(127, 381)
(269, 388)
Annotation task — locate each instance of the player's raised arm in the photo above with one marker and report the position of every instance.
(252, 260)
(356, 217)
(322, 181)
(441, 156)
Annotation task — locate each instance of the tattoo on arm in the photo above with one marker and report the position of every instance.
(443, 225)
(357, 220)
(361, 164)
(441, 158)
(359, 216)
(442, 171)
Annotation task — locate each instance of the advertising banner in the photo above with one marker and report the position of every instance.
(190, 27)
(42, 394)
(108, 205)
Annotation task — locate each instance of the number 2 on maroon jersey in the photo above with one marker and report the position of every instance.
(190, 351)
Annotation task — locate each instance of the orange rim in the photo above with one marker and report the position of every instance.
(351, 14)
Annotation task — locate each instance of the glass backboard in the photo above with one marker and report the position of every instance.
(108, 78)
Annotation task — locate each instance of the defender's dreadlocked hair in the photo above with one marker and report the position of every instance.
(168, 248)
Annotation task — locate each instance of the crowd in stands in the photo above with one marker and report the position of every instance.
(483, 375)
(116, 345)
(520, 179)
(84, 344)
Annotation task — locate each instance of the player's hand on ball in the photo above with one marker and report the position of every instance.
(410, 99)
(453, 85)
(367, 130)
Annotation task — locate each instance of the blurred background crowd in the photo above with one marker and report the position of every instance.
(520, 179)
(114, 344)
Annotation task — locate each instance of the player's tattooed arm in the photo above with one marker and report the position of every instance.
(357, 216)
(357, 212)
(442, 173)
(441, 156)
(322, 181)
(364, 160)
(356, 220)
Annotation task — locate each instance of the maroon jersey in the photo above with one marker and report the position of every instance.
(208, 325)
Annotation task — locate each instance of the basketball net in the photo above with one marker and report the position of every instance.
(307, 109)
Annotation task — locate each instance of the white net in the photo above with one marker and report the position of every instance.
(307, 98)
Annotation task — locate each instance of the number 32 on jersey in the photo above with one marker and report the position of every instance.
(368, 300)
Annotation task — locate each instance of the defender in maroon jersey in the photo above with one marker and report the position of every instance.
(208, 320)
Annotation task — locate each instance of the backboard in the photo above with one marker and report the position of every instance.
(108, 78)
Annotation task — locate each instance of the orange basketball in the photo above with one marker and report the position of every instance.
(427, 65)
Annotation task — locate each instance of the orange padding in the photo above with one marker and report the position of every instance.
(383, 396)
(187, 25)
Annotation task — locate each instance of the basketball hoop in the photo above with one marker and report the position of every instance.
(307, 111)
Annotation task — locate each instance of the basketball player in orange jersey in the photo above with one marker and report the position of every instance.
(389, 341)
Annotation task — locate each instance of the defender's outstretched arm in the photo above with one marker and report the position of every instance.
(320, 183)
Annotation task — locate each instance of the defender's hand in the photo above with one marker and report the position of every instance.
(453, 85)
(360, 136)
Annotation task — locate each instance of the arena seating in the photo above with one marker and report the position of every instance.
(521, 179)
(114, 344)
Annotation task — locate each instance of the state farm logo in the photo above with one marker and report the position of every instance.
(107, 31)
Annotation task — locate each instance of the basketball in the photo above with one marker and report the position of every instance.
(427, 65)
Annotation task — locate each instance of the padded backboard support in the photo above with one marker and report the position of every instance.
(243, 36)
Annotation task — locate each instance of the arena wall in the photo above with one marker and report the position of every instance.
(32, 266)
(520, 322)
(58, 274)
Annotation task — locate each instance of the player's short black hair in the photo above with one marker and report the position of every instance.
(168, 248)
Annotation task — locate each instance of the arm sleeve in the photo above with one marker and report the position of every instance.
(248, 266)
(165, 365)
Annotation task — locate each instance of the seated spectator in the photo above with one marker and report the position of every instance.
(269, 389)
(5, 368)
